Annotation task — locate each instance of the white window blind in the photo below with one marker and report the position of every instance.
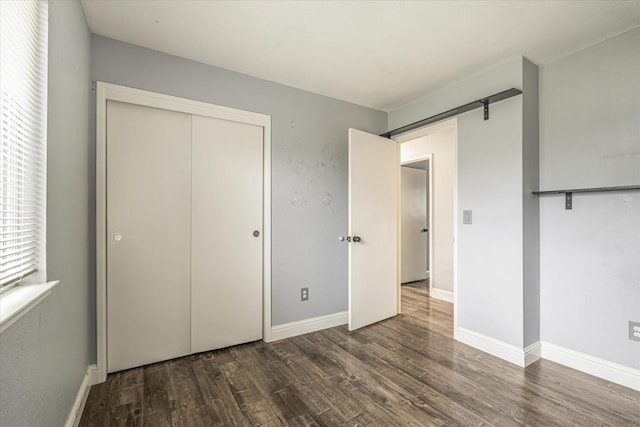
(23, 116)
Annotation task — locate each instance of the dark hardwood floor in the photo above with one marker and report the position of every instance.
(403, 371)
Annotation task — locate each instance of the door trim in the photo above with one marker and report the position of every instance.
(453, 123)
(112, 92)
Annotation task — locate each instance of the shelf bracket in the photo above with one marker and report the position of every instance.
(568, 200)
(485, 102)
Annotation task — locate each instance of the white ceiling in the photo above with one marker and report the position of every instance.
(379, 54)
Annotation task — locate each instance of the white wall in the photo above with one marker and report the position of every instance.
(45, 354)
(590, 256)
(441, 146)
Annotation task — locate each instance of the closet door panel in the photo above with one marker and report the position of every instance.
(148, 235)
(226, 244)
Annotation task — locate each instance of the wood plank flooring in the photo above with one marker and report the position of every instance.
(400, 372)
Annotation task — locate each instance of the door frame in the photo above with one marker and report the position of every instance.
(428, 157)
(111, 92)
(424, 131)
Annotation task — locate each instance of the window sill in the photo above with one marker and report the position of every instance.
(19, 300)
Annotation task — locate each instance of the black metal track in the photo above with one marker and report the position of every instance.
(483, 102)
(590, 190)
(568, 194)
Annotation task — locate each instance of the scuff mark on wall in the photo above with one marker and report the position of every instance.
(310, 170)
(327, 199)
(330, 158)
(298, 200)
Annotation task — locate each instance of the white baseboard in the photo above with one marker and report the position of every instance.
(595, 366)
(532, 353)
(89, 379)
(442, 295)
(591, 365)
(518, 356)
(288, 330)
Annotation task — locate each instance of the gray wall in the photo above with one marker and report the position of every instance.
(531, 202)
(309, 165)
(45, 354)
(590, 256)
(502, 76)
(489, 262)
(491, 183)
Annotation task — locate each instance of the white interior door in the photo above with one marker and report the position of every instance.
(374, 174)
(226, 244)
(414, 225)
(148, 235)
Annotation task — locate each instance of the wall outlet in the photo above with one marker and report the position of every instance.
(634, 331)
(304, 294)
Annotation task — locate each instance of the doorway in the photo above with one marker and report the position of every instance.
(374, 236)
(428, 155)
(415, 182)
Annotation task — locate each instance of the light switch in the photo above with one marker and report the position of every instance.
(466, 217)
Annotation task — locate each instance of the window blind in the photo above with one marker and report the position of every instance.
(23, 116)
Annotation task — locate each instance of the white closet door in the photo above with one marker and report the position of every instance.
(226, 244)
(148, 235)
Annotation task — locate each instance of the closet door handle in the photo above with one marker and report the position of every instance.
(256, 233)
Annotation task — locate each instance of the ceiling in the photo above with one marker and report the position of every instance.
(380, 54)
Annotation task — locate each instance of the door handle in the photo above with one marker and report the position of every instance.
(356, 239)
(424, 230)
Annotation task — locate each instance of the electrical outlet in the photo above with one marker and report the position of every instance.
(304, 294)
(634, 331)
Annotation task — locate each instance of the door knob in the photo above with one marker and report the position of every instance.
(256, 233)
(356, 239)
(117, 237)
(424, 230)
